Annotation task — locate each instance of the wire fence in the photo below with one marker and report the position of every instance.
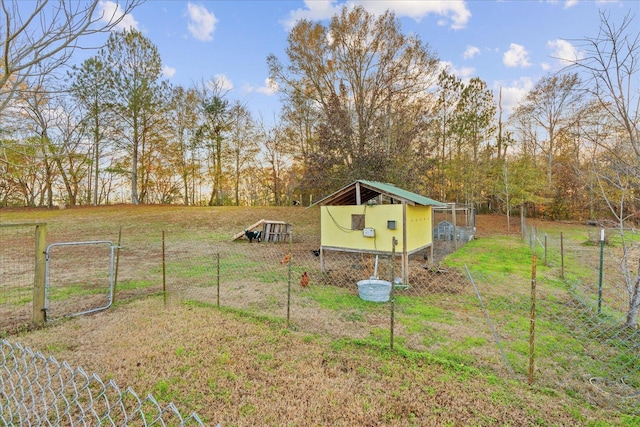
(588, 343)
(467, 314)
(17, 269)
(38, 390)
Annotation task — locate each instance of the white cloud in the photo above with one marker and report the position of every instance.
(470, 52)
(270, 88)
(168, 71)
(570, 3)
(516, 56)
(453, 12)
(513, 92)
(202, 23)
(464, 73)
(564, 52)
(222, 82)
(111, 11)
(313, 10)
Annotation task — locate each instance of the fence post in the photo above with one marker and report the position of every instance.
(164, 272)
(115, 278)
(218, 279)
(39, 279)
(601, 268)
(545, 249)
(532, 320)
(561, 256)
(289, 280)
(394, 242)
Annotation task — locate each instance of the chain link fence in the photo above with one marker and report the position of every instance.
(38, 390)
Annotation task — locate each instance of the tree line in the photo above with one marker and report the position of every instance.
(360, 100)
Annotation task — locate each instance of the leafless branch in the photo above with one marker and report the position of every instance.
(37, 39)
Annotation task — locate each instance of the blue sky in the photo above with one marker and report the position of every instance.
(508, 44)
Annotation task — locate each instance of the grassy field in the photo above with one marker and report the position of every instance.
(239, 365)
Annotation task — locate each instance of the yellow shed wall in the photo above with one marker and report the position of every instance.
(419, 229)
(335, 223)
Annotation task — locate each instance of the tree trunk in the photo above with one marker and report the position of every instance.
(134, 169)
(96, 159)
(634, 302)
(67, 184)
(185, 182)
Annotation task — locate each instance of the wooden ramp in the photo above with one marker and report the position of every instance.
(272, 231)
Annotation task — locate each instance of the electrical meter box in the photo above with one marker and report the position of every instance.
(369, 232)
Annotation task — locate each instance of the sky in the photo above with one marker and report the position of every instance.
(508, 44)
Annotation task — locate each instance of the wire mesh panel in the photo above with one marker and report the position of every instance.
(17, 269)
(584, 340)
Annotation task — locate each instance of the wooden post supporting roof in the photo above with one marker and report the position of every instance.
(405, 256)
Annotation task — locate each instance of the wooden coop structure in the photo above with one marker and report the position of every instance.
(272, 231)
(366, 216)
(455, 223)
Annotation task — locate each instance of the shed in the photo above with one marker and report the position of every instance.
(365, 217)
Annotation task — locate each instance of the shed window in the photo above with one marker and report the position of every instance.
(357, 222)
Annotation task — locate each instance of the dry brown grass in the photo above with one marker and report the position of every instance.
(240, 370)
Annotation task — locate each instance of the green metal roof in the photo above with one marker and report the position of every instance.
(370, 190)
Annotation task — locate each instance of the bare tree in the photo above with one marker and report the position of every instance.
(183, 126)
(273, 150)
(612, 62)
(551, 106)
(38, 37)
(243, 147)
(38, 107)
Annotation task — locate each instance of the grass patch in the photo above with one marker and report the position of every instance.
(62, 293)
(132, 285)
(335, 298)
(500, 254)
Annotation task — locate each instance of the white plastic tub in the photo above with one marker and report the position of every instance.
(375, 290)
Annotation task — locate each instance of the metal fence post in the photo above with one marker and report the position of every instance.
(561, 256)
(532, 320)
(289, 281)
(601, 268)
(394, 242)
(164, 271)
